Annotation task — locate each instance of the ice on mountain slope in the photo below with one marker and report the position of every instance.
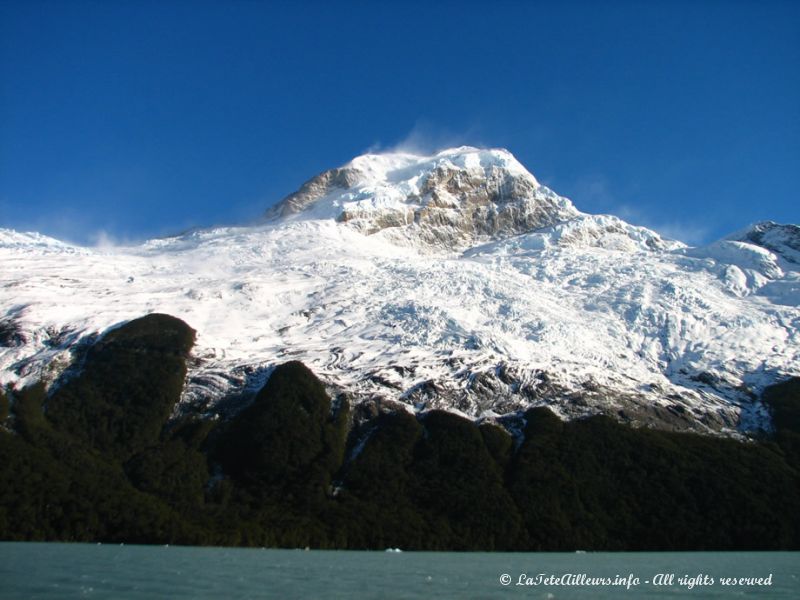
(783, 240)
(32, 242)
(588, 314)
(766, 269)
(601, 231)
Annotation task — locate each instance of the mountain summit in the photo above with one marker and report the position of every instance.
(449, 199)
(456, 199)
(452, 281)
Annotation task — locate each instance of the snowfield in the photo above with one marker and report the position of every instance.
(386, 284)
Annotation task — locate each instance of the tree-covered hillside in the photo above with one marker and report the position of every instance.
(99, 458)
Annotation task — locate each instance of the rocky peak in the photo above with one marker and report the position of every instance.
(315, 188)
(783, 240)
(449, 199)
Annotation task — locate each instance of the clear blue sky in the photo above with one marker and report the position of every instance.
(143, 118)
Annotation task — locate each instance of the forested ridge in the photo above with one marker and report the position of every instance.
(101, 458)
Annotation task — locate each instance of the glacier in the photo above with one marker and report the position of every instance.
(454, 280)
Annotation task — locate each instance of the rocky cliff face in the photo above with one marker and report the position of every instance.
(449, 200)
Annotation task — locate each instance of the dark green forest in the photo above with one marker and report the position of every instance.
(101, 457)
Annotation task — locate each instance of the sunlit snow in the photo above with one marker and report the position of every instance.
(591, 302)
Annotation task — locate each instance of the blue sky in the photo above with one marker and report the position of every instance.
(138, 119)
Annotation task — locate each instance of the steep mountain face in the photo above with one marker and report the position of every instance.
(448, 200)
(454, 281)
(783, 240)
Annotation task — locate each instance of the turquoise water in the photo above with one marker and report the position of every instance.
(62, 571)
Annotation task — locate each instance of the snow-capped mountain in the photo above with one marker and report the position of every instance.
(448, 200)
(454, 281)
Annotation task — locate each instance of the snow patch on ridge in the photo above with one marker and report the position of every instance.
(600, 231)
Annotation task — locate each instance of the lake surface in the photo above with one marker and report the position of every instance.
(63, 571)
